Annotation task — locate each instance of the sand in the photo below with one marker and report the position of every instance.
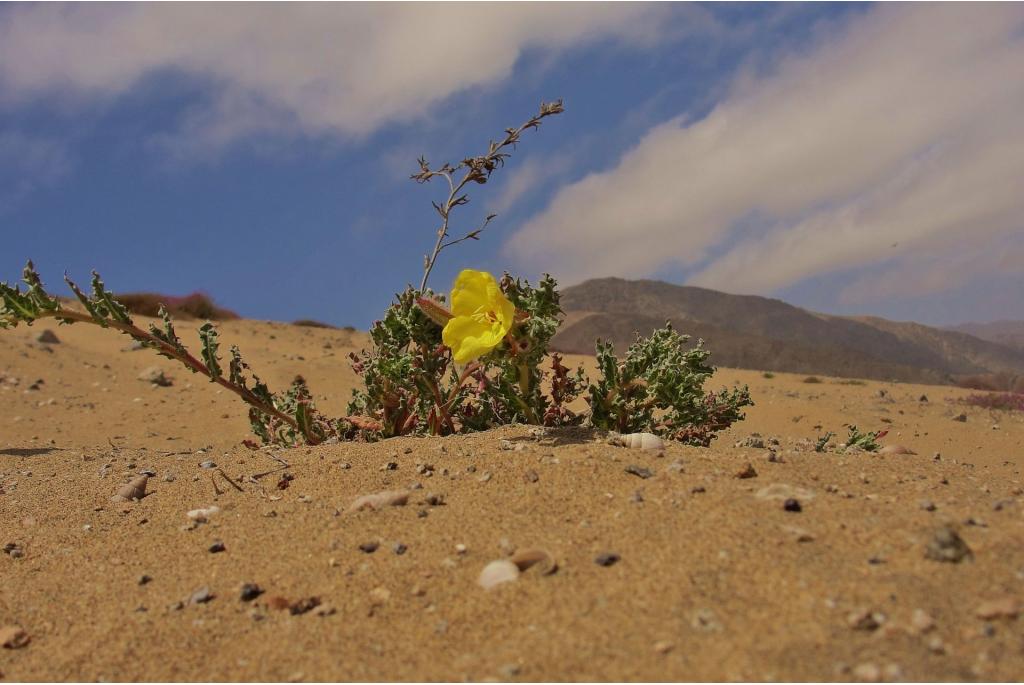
(715, 580)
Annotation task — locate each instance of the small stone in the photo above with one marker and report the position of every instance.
(867, 672)
(962, 418)
(663, 646)
(13, 637)
(531, 476)
(216, 547)
(399, 548)
(747, 471)
(202, 515)
(922, 398)
(301, 606)
(1004, 607)
(936, 645)
(249, 592)
(390, 466)
(946, 545)
(496, 573)
(607, 559)
(324, 610)
(145, 580)
(792, 505)
(208, 465)
(200, 596)
(156, 376)
(639, 471)
(460, 549)
(47, 337)
(369, 547)
(380, 500)
(379, 596)
(799, 534)
(484, 477)
(927, 505)
(132, 491)
(921, 621)
(866, 620)
(434, 500)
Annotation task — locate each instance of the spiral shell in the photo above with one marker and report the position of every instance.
(134, 490)
(640, 441)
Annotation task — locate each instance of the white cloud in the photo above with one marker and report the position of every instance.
(311, 68)
(904, 127)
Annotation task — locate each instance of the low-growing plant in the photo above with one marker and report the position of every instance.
(864, 441)
(812, 379)
(822, 442)
(438, 365)
(768, 374)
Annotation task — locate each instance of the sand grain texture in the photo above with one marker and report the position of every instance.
(713, 582)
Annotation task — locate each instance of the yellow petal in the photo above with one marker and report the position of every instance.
(472, 292)
(470, 339)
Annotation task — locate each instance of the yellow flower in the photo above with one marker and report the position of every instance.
(482, 315)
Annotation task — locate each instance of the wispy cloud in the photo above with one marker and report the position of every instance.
(896, 139)
(27, 163)
(304, 68)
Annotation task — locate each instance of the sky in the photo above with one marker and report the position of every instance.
(848, 158)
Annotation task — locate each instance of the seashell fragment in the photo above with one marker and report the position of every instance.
(134, 490)
(496, 573)
(202, 515)
(896, 449)
(13, 637)
(640, 441)
(527, 558)
(379, 500)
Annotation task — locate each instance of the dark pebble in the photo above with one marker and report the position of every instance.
(639, 471)
(250, 591)
(143, 580)
(217, 547)
(946, 545)
(303, 605)
(369, 547)
(607, 559)
(399, 548)
(792, 505)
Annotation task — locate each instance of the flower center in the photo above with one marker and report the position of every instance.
(484, 316)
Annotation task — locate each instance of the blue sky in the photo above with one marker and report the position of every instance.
(851, 158)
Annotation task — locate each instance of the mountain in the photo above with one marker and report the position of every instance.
(1009, 333)
(747, 331)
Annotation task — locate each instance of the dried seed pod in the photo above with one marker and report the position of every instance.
(496, 573)
(134, 490)
(527, 558)
(896, 449)
(379, 500)
(641, 441)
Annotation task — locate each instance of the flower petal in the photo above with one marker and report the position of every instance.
(469, 339)
(472, 292)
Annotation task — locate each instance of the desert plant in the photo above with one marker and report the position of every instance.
(812, 379)
(438, 366)
(864, 441)
(1005, 401)
(822, 442)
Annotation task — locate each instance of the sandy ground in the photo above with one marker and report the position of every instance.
(715, 580)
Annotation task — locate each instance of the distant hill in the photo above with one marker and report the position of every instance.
(1009, 333)
(746, 331)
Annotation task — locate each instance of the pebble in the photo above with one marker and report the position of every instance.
(867, 672)
(200, 596)
(639, 471)
(496, 573)
(799, 534)
(946, 545)
(1004, 607)
(301, 606)
(866, 620)
(962, 418)
(531, 476)
(47, 337)
(202, 515)
(921, 621)
(13, 637)
(156, 376)
(369, 547)
(663, 646)
(380, 500)
(144, 579)
(207, 465)
(249, 592)
(927, 505)
(217, 546)
(607, 559)
(131, 491)
(399, 548)
(792, 505)
(747, 471)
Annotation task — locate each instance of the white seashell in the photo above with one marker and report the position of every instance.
(641, 441)
(496, 573)
(203, 515)
(379, 500)
(134, 490)
(526, 558)
(896, 449)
